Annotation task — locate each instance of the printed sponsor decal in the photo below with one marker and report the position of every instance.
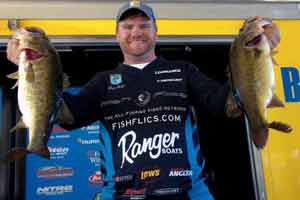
(169, 80)
(96, 178)
(147, 174)
(166, 118)
(143, 98)
(54, 190)
(60, 136)
(115, 79)
(134, 193)
(153, 146)
(94, 157)
(291, 84)
(58, 152)
(55, 172)
(91, 129)
(167, 71)
(125, 178)
(89, 141)
(180, 172)
(166, 191)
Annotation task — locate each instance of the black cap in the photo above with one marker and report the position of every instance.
(135, 5)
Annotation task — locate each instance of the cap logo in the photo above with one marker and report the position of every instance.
(135, 3)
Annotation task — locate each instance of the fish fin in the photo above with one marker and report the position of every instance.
(29, 73)
(16, 154)
(66, 81)
(280, 126)
(275, 102)
(14, 75)
(273, 52)
(274, 61)
(20, 124)
(15, 85)
(260, 137)
(232, 108)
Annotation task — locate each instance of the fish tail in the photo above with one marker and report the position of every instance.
(260, 136)
(16, 154)
(280, 126)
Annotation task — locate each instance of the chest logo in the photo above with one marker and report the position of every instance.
(115, 79)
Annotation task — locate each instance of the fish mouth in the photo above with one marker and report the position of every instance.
(264, 27)
(254, 42)
(32, 54)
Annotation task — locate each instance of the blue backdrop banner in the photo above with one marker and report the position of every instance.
(73, 170)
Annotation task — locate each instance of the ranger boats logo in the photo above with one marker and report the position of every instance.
(153, 146)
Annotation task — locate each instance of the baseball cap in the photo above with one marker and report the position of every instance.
(135, 5)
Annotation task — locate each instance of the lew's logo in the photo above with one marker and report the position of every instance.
(150, 173)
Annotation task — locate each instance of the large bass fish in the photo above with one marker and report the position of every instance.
(252, 75)
(40, 81)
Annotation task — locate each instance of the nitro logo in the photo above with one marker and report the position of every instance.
(180, 172)
(150, 173)
(291, 84)
(155, 146)
(54, 190)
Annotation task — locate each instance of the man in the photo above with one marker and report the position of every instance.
(149, 141)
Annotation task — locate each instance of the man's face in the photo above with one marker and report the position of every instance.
(136, 35)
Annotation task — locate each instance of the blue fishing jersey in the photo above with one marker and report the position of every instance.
(149, 144)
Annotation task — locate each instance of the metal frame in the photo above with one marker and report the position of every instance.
(172, 9)
(63, 44)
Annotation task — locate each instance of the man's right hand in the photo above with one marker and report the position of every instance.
(13, 51)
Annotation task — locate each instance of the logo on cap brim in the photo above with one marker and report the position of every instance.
(135, 3)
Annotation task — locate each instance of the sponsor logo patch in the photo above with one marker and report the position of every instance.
(54, 190)
(55, 172)
(115, 79)
(96, 178)
(147, 174)
(180, 172)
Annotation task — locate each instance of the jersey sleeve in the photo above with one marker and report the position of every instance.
(206, 94)
(85, 106)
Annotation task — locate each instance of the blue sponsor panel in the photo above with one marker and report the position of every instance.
(73, 170)
(291, 84)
